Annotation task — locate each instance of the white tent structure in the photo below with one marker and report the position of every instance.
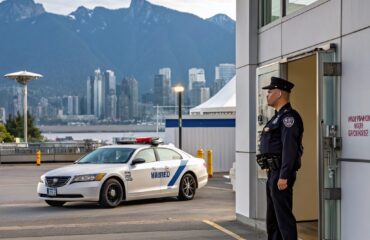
(224, 102)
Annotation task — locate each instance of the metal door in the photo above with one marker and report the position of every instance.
(264, 113)
(328, 72)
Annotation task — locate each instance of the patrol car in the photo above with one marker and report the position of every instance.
(125, 172)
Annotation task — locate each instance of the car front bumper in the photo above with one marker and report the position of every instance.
(82, 191)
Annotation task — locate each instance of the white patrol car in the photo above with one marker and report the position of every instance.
(116, 173)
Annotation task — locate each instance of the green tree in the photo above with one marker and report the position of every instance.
(14, 125)
(5, 135)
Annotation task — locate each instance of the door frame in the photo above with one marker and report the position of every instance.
(322, 134)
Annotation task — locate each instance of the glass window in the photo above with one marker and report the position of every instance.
(294, 5)
(269, 11)
(107, 155)
(146, 154)
(167, 154)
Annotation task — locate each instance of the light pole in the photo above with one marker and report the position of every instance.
(22, 78)
(179, 89)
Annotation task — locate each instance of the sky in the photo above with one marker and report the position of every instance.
(201, 8)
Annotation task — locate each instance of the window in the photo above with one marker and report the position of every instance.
(147, 154)
(294, 5)
(107, 155)
(168, 154)
(269, 11)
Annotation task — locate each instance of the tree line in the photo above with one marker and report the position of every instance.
(13, 128)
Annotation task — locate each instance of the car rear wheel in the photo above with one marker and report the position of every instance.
(187, 187)
(55, 203)
(111, 193)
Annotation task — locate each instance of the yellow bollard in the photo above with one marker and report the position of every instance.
(200, 153)
(38, 157)
(210, 163)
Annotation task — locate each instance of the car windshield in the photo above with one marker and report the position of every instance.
(107, 156)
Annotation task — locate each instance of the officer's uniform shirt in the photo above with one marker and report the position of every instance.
(282, 136)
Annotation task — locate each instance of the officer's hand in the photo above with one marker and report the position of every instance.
(282, 184)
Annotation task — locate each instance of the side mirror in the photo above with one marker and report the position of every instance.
(137, 161)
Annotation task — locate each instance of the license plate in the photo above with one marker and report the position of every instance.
(52, 192)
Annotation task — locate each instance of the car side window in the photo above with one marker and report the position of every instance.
(146, 154)
(168, 154)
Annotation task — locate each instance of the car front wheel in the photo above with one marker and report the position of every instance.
(55, 203)
(111, 193)
(187, 187)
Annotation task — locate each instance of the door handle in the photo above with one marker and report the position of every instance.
(154, 169)
(166, 168)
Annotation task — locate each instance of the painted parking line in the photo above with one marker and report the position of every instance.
(218, 188)
(224, 230)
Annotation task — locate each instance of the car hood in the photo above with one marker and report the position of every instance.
(80, 169)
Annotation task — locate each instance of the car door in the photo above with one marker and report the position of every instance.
(173, 165)
(141, 182)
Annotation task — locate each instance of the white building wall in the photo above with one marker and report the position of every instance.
(246, 63)
(355, 98)
(345, 23)
(221, 140)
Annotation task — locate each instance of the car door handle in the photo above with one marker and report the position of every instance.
(153, 168)
(166, 168)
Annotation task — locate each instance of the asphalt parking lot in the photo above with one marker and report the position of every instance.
(210, 215)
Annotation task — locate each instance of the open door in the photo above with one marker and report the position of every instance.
(264, 113)
(328, 71)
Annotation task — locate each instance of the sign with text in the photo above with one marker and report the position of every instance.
(358, 125)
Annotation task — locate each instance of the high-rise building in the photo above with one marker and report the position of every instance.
(70, 105)
(110, 95)
(167, 85)
(110, 79)
(2, 115)
(196, 75)
(17, 102)
(195, 93)
(223, 74)
(111, 107)
(98, 94)
(90, 95)
(167, 73)
(205, 94)
(161, 90)
(129, 99)
(225, 71)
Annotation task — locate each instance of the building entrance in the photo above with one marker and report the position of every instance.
(302, 73)
(316, 97)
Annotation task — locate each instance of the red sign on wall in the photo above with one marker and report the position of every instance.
(358, 125)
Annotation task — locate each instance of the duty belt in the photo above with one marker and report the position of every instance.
(269, 161)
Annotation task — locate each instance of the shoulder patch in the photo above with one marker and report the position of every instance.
(288, 121)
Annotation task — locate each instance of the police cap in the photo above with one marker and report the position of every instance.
(279, 83)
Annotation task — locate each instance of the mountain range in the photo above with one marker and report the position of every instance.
(134, 41)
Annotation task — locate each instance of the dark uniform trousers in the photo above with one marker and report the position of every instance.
(281, 225)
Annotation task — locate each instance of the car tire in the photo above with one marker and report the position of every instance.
(55, 203)
(111, 194)
(187, 188)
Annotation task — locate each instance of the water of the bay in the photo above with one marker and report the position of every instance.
(102, 136)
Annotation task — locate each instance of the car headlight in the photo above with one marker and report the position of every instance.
(88, 177)
(42, 180)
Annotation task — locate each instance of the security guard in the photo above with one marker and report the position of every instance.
(281, 151)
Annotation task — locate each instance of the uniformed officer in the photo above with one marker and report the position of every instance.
(281, 148)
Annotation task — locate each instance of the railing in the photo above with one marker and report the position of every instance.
(50, 151)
